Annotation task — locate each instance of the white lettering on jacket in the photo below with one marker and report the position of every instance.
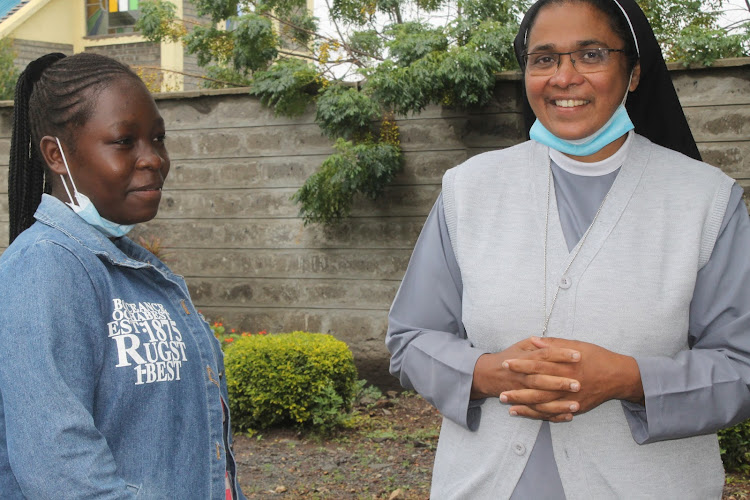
(148, 340)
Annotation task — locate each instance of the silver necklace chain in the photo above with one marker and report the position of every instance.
(570, 263)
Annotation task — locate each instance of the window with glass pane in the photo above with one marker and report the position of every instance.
(111, 17)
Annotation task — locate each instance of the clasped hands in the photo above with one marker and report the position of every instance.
(554, 379)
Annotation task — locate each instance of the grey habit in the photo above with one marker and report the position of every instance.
(697, 392)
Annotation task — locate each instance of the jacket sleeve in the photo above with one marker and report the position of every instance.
(50, 355)
(711, 381)
(429, 349)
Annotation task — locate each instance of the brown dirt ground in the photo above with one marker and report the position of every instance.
(386, 452)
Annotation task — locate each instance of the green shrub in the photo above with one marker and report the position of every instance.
(735, 447)
(299, 379)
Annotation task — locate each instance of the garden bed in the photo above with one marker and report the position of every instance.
(387, 452)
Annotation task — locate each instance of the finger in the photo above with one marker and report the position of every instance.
(557, 407)
(543, 377)
(529, 397)
(539, 342)
(554, 354)
(527, 412)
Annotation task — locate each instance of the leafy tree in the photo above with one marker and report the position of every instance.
(8, 72)
(690, 31)
(404, 54)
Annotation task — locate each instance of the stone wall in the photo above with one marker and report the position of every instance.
(229, 227)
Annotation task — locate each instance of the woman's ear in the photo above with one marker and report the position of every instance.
(52, 155)
(636, 79)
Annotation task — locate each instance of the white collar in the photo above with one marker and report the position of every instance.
(597, 168)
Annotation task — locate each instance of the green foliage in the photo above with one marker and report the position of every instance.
(367, 42)
(8, 71)
(406, 59)
(734, 443)
(288, 86)
(468, 76)
(209, 44)
(300, 379)
(496, 39)
(217, 10)
(222, 77)
(345, 112)
(406, 89)
(254, 43)
(703, 46)
(353, 12)
(158, 21)
(689, 31)
(410, 42)
(365, 168)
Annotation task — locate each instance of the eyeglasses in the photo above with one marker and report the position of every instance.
(584, 61)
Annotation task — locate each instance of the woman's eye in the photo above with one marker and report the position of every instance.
(124, 141)
(543, 60)
(591, 56)
(160, 138)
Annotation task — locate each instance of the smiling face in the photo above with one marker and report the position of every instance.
(119, 159)
(569, 104)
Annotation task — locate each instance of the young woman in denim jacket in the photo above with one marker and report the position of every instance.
(111, 383)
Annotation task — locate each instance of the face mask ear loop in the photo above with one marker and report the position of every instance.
(627, 89)
(72, 182)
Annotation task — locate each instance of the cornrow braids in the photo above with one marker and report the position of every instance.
(54, 96)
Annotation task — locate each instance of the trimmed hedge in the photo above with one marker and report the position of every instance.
(300, 379)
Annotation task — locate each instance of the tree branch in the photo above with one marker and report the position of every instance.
(192, 75)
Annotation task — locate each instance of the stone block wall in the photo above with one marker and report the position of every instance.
(229, 226)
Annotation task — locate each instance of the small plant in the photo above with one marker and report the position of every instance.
(227, 337)
(154, 245)
(300, 379)
(367, 395)
(734, 443)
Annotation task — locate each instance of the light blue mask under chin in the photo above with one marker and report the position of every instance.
(617, 126)
(87, 211)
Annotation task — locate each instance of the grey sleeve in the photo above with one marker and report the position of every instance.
(426, 338)
(707, 387)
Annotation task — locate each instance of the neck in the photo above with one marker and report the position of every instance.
(603, 153)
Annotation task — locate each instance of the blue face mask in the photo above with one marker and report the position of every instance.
(617, 126)
(87, 211)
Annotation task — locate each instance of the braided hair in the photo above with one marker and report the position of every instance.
(53, 97)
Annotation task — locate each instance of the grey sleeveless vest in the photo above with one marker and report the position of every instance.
(628, 290)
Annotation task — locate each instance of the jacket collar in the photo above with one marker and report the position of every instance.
(121, 251)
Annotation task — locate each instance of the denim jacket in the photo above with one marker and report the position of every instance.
(111, 383)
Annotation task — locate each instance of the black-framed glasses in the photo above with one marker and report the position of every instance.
(584, 61)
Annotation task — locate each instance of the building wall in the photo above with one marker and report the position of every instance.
(54, 21)
(229, 227)
(132, 54)
(141, 56)
(28, 50)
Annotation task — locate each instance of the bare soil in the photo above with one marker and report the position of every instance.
(386, 452)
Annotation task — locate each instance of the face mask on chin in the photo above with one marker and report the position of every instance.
(86, 210)
(618, 125)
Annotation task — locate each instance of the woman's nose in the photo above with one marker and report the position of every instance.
(150, 157)
(566, 73)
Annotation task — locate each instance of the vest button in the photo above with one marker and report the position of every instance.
(565, 282)
(519, 449)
